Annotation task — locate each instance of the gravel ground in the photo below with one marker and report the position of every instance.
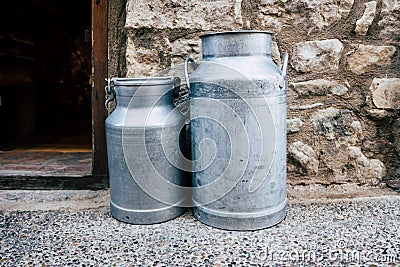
(362, 231)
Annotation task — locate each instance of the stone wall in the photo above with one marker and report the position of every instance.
(344, 75)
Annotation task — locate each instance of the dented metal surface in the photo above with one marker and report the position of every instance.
(238, 132)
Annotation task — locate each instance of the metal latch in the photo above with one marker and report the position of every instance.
(110, 93)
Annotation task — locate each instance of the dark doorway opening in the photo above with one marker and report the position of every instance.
(45, 88)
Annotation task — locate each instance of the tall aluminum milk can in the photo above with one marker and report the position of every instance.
(141, 136)
(238, 131)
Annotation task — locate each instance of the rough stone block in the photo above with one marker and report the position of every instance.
(337, 125)
(390, 22)
(294, 125)
(386, 93)
(180, 14)
(363, 24)
(328, 11)
(378, 114)
(275, 54)
(186, 48)
(146, 60)
(180, 50)
(317, 56)
(363, 57)
(319, 87)
(368, 172)
(341, 153)
(309, 13)
(305, 156)
(269, 23)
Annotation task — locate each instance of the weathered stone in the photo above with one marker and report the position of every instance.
(318, 87)
(275, 54)
(276, 15)
(270, 13)
(180, 14)
(333, 159)
(269, 23)
(145, 61)
(293, 125)
(184, 48)
(345, 6)
(339, 90)
(362, 57)
(305, 155)
(390, 22)
(368, 172)
(308, 106)
(386, 93)
(356, 154)
(311, 88)
(378, 114)
(180, 50)
(363, 24)
(376, 172)
(317, 56)
(340, 131)
(337, 124)
(312, 14)
(328, 11)
(272, 7)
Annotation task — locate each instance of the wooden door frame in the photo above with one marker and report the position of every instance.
(99, 177)
(100, 73)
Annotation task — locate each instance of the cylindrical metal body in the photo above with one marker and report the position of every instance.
(137, 132)
(238, 100)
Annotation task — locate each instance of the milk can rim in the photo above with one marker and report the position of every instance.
(145, 81)
(231, 32)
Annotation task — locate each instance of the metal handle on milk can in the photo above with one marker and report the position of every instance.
(194, 66)
(282, 82)
(110, 93)
(176, 86)
(176, 83)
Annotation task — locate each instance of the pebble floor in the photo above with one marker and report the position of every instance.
(358, 232)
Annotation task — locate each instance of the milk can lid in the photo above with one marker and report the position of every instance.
(139, 81)
(235, 32)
